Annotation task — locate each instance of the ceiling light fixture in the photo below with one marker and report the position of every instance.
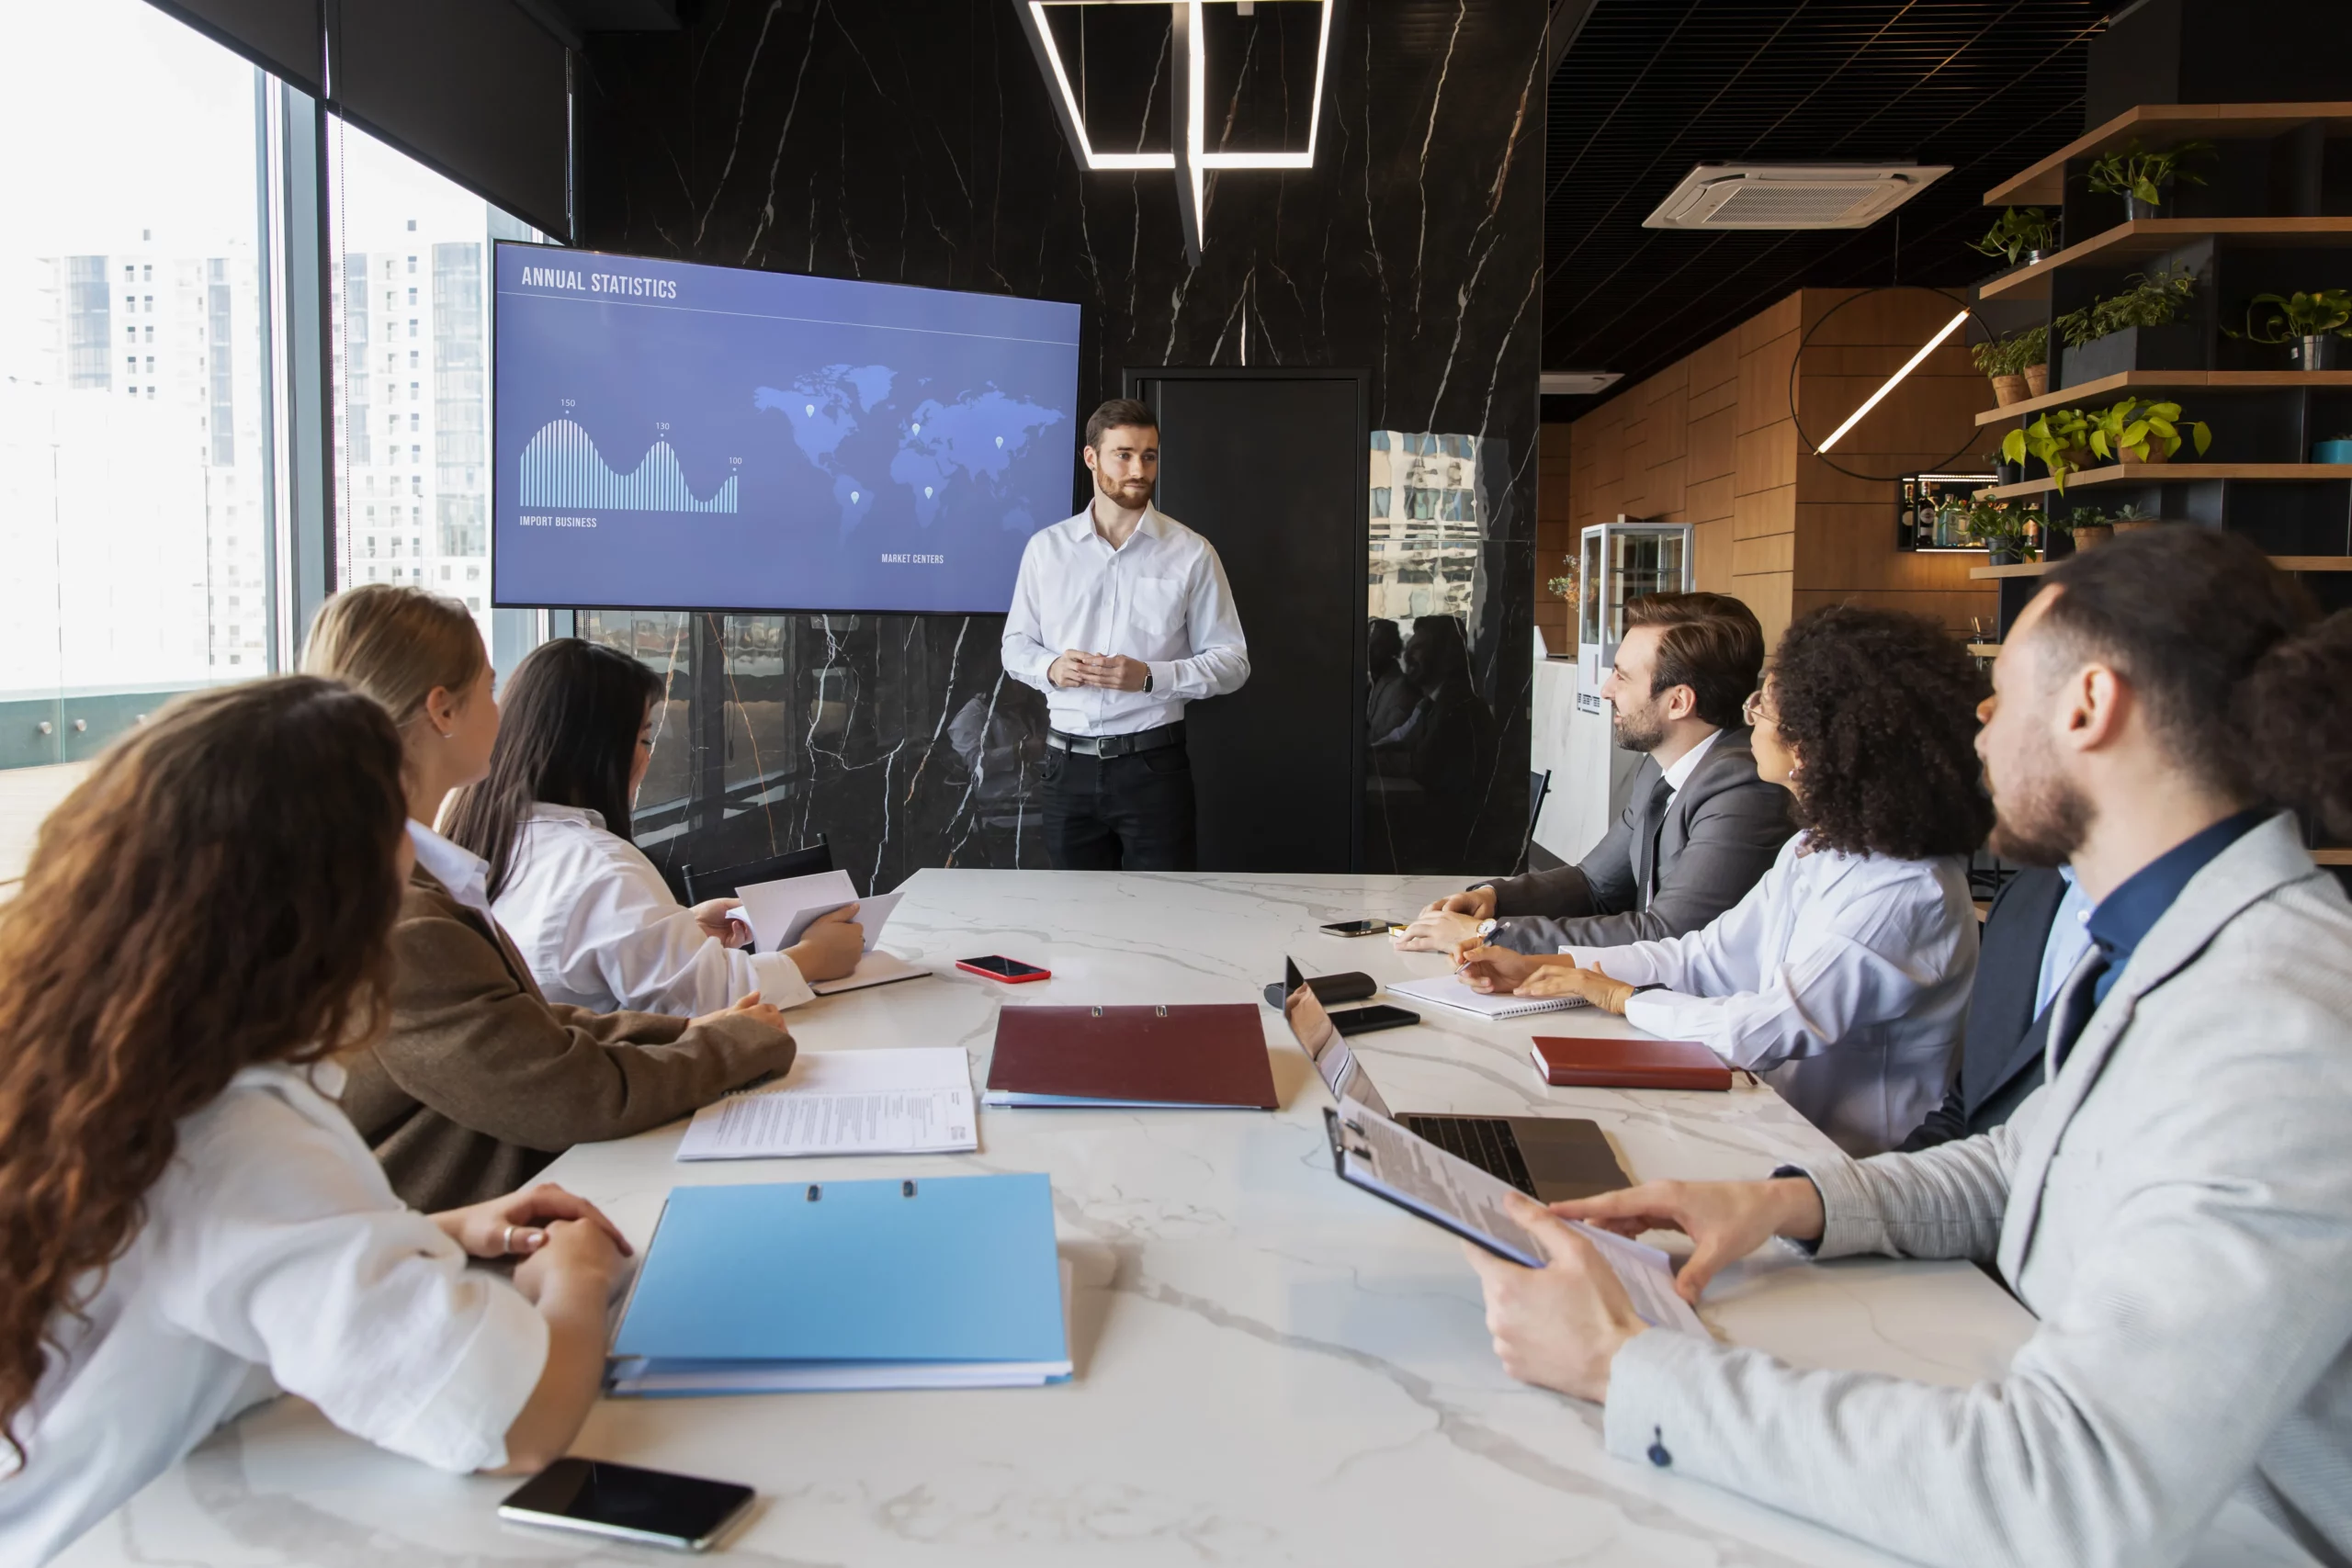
(1894, 380)
(1191, 160)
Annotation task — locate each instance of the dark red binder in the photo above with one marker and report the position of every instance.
(1210, 1055)
(1598, 1062)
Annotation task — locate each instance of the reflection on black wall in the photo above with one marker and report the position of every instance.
(915, 144)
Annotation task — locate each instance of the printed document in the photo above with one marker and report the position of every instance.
(1377, 1154)
(778, 912)
(845, 1102)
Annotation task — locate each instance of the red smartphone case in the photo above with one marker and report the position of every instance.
(970, 968)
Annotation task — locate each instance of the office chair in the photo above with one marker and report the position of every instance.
(721, 881)
(1538, 786)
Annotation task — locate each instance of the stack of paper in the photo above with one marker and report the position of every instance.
(844, 1102)
(938, 1282)
(1450, 992)
(778, 912)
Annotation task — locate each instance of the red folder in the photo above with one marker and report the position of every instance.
(1599, 1062)
(1212, 1054)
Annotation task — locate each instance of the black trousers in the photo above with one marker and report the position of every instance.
(1131, 812)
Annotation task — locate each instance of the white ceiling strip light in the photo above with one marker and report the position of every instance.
(1893, 381)
(1190, 17)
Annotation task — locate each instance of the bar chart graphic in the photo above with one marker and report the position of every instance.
(562, 467)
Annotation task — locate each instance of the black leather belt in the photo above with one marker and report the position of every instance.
(1158, 739)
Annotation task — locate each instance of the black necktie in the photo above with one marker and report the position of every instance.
(1661, 797)
(2077, 999)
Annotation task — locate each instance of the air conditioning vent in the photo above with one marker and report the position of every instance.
(1577, 383)
(1792, 196)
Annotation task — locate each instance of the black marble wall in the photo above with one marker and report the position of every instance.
(915, 144)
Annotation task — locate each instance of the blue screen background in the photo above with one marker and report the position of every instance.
(677, 436)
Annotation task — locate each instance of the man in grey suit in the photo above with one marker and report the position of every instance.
(1700, 827)
(2173, 1205)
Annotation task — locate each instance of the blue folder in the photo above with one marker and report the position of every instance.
(939, 1283)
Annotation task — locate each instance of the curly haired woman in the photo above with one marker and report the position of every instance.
(188, 1223)
(1843, 978)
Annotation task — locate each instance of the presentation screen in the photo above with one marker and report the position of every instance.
(675, 437)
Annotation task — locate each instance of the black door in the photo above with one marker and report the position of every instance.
(1270, 466)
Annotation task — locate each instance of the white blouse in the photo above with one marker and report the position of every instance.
(1841, 980)
(273, 1257)
(599, 927)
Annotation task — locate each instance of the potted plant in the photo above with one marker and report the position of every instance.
(2138, 329)
(2033, 353)
(2004, 471)
(2021, 236)
(1998, 359)
(2089, 526)
(2309, 324)
(2060, 439)
(2139, 176)
(2127, 517)
(2004, 531)
(2146, 433)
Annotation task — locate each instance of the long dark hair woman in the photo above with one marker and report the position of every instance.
(591, 915)
(181, 1202)
(1843, 975)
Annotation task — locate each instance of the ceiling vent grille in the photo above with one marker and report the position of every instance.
(1791, 196)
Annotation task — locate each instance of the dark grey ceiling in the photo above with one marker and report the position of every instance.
(1649, 87)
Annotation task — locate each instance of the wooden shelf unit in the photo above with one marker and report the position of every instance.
(2169, 473)
(2106, 388)
(2333, 857)
(2036, 568)
(2141, 238)
(2044, 184)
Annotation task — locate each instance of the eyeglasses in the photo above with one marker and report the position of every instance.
(1752, 711)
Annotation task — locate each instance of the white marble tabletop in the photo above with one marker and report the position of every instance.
(1272, 1367)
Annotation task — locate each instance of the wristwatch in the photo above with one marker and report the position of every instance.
(1487, 927)
(1146, 679)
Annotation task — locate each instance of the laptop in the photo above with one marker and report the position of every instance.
(1549, 1158)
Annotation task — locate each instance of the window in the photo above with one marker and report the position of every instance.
(412, 298)
(115, 543)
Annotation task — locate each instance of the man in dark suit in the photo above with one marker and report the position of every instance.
(2033, 935)
(1701, 829)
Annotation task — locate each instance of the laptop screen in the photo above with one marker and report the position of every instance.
(1312, 1028)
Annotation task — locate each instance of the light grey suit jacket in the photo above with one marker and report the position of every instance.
(2174, 1205)
(1721, 833)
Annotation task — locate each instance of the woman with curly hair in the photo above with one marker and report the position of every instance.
(188, 1223)
(1842, 978)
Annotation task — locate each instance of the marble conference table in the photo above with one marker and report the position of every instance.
(1271, 1367)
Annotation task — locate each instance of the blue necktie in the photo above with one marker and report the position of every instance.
(2077, 1000)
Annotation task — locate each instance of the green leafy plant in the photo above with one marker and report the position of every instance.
(2001, 526)
(2086, 517)
(2129, 512)
(1566, 584)
(2016, 231)
(2153, 299)
(2060, 439)
(2298, 315)
(2133, 429)
(2011, 354)
(2133, 171)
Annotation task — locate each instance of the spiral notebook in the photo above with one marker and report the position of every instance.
(1447, 991)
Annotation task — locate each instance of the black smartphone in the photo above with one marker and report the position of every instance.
(996, 966)
(1358, 928)
(1364, 1020)
(684, 1512)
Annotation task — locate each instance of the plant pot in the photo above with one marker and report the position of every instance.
(2157, 453)
(2175, 347)
(2131, 525)
(2036, 380)
(2092, 533)
(2008, 389)
(2317, 353)
(2003, 555)
(2337, 451)
(2008, 473)
(2137, 208)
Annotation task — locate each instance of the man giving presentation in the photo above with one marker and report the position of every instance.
(1121, 615)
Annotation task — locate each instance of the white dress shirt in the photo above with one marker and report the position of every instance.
(272, 1255)
(1161, 598)
(465, 874)
(1687, 763)
(2069, 939)
(597, 925)
(1841, 980)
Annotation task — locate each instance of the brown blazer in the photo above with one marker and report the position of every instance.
(481, 1081)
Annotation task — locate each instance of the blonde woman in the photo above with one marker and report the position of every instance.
(480, 1081)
